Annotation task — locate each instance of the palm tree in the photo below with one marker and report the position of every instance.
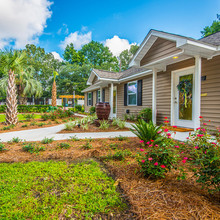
(10, 63)
(25, 83)
(54, 89)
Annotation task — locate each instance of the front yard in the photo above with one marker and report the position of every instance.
(63, 180)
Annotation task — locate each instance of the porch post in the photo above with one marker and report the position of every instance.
(154, 96)
(100, 94)
(111, 100)
(197, 92)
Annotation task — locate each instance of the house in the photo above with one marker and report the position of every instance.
(163, 62)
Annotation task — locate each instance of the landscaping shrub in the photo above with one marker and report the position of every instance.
(74, 138)
(87, 145)
(104, 125)
(130, 117)
(78, 108)
(147, 131)
(118, 122)
(2, 147)
(64, 145)
(118, 155)
(28, 117)
(145, 114)
(32, 148)
(47, 140)
(45, 117)
(205, 161)
(92, 110)
(70, 125)
(15, 140)
(121, 138)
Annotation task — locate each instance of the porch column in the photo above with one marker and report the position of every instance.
(197, 92)
(100, 94)
(154, 96)
(111, 100)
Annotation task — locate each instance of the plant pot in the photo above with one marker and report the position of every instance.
(102, 110)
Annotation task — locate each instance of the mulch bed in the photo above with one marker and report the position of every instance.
(179, 129)
(48, 123)
(149, 199)
(94, 128)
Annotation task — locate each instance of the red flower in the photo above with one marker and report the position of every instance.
(150, 158)
(200, 117)
(165, 118)
(141, 149)
(185, 158)
(174, 126)
(166, 130)
(204, 123)
(152, 140)
(141, 141)
(184, 161)
(168, 134)
(196, 147)
(156, 164)
(177, 146)
(162, 166)
(143, 161)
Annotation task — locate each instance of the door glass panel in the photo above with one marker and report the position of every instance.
(185, 100)
(114, 100)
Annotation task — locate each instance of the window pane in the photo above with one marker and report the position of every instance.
(89, 95)
(132, 88)
(132, 99)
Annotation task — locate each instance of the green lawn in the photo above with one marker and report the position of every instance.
(43, 190)
(20, 117)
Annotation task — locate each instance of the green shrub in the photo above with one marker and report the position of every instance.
(113, 146)
(118, 155)
(32, 148)
(41, 124)
(45, 117)
(74, 138)
(130, 117)
(2, 147)
(64, 145)
(104, 125)
(33, 123)
(85, 126)
(24, 126)
(87, 145)
(78, 108)
(145, 114)
(15, 140)
(28, 117)
(8, 127)
(147, 131)
(47, 140)
(92, 110)
(70, 125)
(205, 161)
(121, 138)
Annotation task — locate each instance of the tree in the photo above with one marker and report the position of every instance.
(126, 56)
(208, 30)
(54, 89)
(72, 56)
(99, 56)
(12, 62)
(43, 64)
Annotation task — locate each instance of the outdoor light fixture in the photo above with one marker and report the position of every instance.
(78, 125)
(176, 57)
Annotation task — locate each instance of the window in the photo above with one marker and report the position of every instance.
(89, 98)
(132, 93)
(99, 96)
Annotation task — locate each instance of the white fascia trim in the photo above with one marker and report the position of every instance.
(145, 73)
(90, 90)
(108, 79)
(213, 48)
(89, 79)
(163, 59)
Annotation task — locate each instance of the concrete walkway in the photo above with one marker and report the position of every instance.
(51, 132)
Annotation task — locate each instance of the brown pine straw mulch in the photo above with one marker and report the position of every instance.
(148, 199)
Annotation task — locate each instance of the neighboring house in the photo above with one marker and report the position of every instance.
(161, 63)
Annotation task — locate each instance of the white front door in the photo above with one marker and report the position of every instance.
(183, 100)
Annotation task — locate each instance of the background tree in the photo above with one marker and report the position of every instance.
(126, 56)
(213, 28)
(12, 62)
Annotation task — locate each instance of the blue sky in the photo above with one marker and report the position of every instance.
(48, 25)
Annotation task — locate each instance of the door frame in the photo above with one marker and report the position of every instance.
(174, 109)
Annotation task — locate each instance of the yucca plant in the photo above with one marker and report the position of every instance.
(104, 125)
(147, 131)
(70, 125)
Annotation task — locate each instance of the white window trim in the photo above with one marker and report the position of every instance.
(99, 95)
(128, 95)
(89, 99)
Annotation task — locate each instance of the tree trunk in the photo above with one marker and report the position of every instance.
(54, 94)
(22, 100)
(11, 101)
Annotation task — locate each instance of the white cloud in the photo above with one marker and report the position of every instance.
(63, 30)
(78, 40)
(22, 21)
(57, 56)
(116, 45)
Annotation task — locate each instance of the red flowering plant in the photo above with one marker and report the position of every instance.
(205, 154)
(156, 160)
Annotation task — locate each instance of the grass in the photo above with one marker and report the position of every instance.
(20, 117)
(54, 190)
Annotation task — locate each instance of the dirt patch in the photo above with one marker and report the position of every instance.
(149, 199)
(93, 128)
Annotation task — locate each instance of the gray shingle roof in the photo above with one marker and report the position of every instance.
(212, 39)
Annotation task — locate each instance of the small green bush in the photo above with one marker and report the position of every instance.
(45, 117)
(74, 138)
(24, 126)
(70, 125)
(64, 145)
(47, 140)
(118, 155)
(145, 114)
(92, 110)
(2, 147)
(32, 148)
(87, 145)
(28, 117)
(15, 140)
(121, 138)
(104, 125)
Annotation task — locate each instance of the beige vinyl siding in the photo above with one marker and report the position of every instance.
(146, 97)
(160, 49)
(94, 80)
(210, 104)
(164, 89)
